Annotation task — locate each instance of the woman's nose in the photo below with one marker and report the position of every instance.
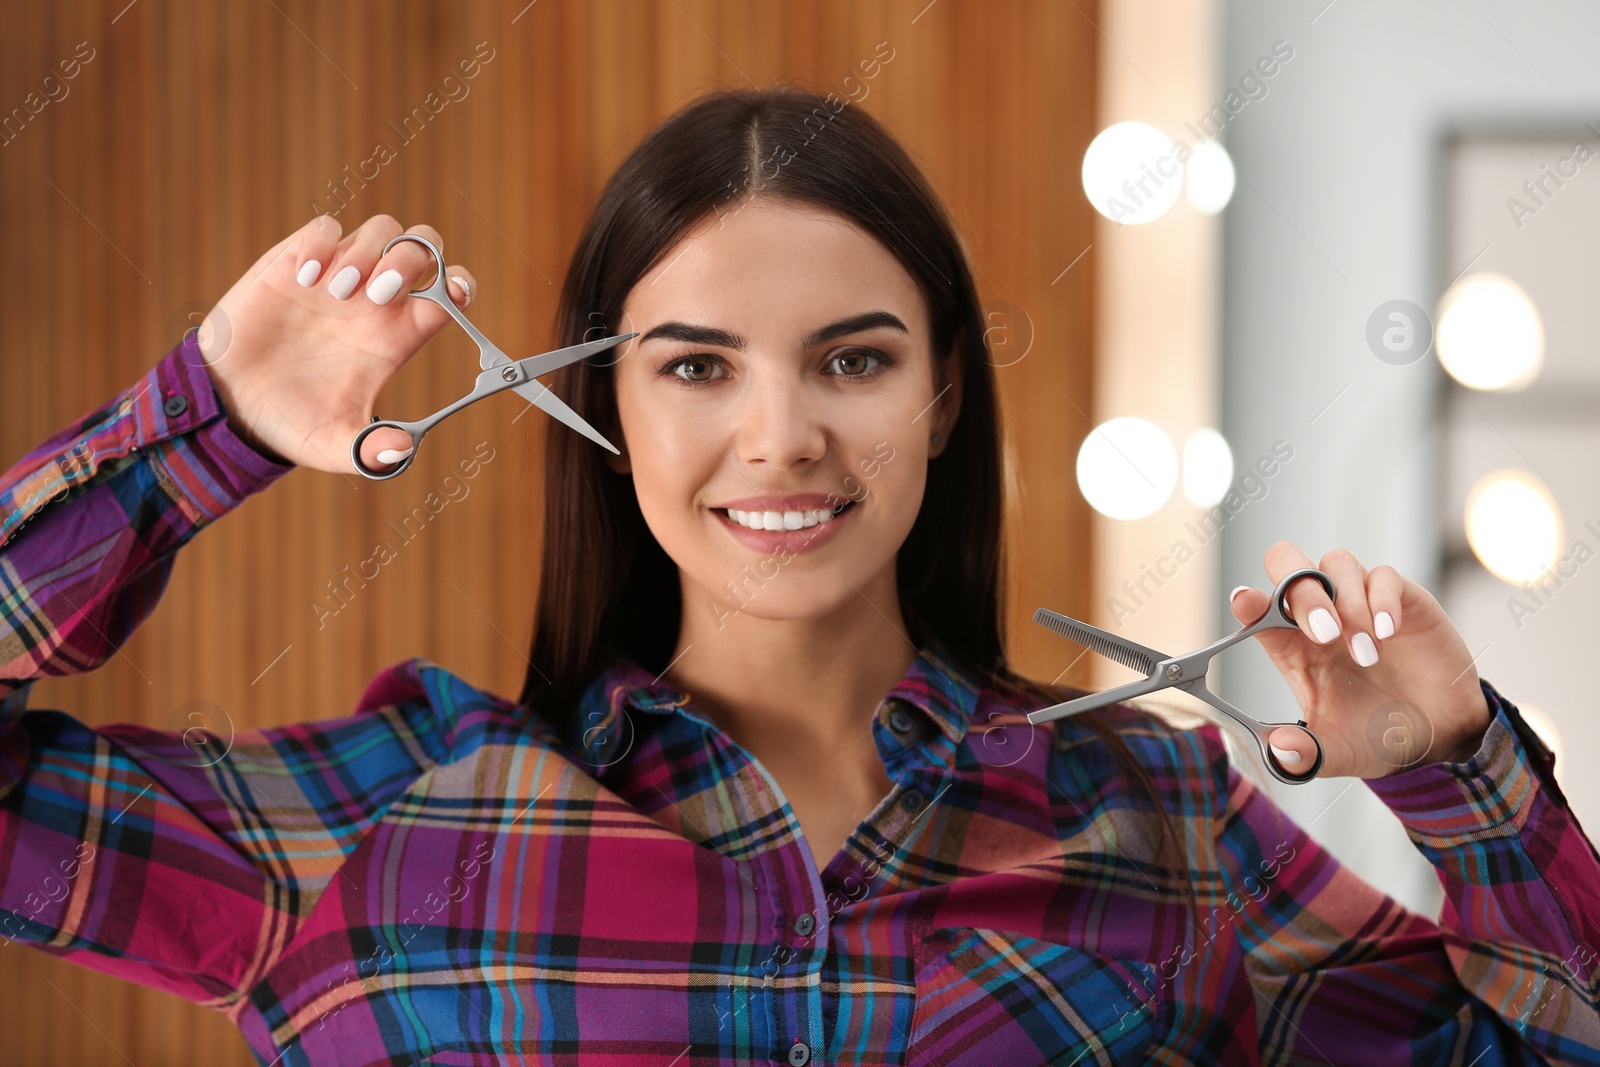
(778, 424)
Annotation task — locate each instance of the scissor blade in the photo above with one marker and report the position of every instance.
(1128, 653)
(539, 366)
(535, 392)
(554, 406)
(1136, 688)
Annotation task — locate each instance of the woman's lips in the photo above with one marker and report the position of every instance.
(772, 542)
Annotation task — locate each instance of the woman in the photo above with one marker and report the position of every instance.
(768, 795)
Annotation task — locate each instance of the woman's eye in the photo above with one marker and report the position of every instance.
(860, 364)
(853, 364)
(699, 368)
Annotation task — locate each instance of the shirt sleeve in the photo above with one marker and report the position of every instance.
(1345, 974)
(179, 860)
(90, 519)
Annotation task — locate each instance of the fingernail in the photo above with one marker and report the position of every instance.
(381, 289)
(344, 283)
(1236, 591)
(1365, 651)
(1323, 626)
(308, 273)
(1285, 755)
(466, 290)
(390, 455)
(1383, 625)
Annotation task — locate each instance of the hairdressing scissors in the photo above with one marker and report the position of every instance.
(499, 372)
(1185, 672)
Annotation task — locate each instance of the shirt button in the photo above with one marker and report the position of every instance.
(175, 406)
(805, 924)
(900, 721)
(911, 800)
(799, 1054)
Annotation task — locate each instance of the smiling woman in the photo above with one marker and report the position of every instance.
(818, 828)
(782, 343)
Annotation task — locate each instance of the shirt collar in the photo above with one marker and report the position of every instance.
(934, 684)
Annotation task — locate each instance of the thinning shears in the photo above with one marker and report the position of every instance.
(1185, 672)
(499, 372)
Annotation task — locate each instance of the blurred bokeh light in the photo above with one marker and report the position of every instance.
(1131, 172)
(1513, 526)
(1490, 334)
(1210, 177)
(1127, 468)
(1207, 467)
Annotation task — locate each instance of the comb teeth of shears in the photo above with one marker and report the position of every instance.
(1125, 652)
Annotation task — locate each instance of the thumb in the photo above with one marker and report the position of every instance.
(1296, 751)
(387, 440)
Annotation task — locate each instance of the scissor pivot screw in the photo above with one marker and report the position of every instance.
(1174, 671)
(509, 374)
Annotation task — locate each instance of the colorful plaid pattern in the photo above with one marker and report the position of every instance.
(439, 878)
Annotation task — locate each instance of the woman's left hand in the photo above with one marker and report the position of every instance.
(1382, 695)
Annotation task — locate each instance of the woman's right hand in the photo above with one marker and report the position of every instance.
(300, 346)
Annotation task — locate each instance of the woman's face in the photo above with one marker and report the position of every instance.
(783, 377)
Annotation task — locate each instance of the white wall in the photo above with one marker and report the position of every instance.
(1336, 212)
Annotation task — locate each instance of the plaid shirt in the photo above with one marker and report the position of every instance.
(440, 878)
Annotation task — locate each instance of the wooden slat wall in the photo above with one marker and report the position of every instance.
(202, 132)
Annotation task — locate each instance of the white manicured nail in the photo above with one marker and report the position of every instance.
(1365, 651)
(391, 455)
(1383, 625)
(1285, 755)
(381, 289)
(1236, 591)
(1324, 627)
(344, 283)
(308, 273)
(466, 290)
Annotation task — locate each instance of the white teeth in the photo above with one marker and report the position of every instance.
(781, 520)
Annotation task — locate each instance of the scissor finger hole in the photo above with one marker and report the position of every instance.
(1289, 583)
(435, 287)
(1298, 763)
(390, 470)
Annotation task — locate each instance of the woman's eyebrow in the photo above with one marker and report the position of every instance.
(711, 335)
(854, 324)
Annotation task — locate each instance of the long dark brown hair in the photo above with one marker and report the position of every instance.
(607, 588)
